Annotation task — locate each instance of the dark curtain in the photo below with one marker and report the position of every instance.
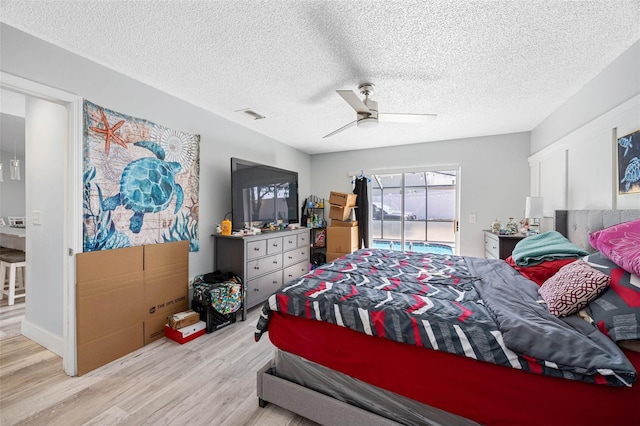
(362, 212)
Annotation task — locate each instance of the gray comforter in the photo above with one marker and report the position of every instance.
(528, 328)
(478, 308)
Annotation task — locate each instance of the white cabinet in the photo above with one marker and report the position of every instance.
(264, 261)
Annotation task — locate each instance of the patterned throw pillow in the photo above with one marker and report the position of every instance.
(620, 243)
(572, 288)
(616, 312)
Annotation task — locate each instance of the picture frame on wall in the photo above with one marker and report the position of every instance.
(628, 152)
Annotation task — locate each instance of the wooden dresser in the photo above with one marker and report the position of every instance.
(264, 261)
(500, 246)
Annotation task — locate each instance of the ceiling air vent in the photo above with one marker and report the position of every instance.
(251, 113)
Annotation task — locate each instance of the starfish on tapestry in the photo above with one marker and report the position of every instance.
(109, 132)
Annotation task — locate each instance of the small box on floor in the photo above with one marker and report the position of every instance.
(183, 319)
(185, 334)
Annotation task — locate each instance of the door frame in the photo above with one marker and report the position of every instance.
(73, 193)
(430, 168)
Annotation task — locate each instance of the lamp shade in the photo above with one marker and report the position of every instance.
(533, 207)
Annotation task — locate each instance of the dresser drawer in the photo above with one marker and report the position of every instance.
(264, 265)
(295, 271)
(303, 240)
(295, 256)
(260, 289)
(256, 249)
(289, 242)
(274, 245)
(491, 246)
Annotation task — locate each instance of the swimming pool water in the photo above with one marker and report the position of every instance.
(417, 247)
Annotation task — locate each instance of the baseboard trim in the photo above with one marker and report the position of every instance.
(42, 337)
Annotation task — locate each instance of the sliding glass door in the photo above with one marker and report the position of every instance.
(414, 211)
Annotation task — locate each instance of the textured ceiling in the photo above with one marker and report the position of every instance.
(485, 67)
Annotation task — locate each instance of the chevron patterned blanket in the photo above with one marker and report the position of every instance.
(477, 308)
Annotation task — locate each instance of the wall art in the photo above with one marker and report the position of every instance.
(140, 181)
(629, 163)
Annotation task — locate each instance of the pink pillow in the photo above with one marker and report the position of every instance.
(621, 244)
(572, 288)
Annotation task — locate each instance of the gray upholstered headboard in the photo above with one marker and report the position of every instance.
(576, 225)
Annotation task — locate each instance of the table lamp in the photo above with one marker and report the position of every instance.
(533, 211)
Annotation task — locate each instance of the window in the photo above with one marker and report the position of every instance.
(414, 210)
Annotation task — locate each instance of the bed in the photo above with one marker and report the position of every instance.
(365, 364)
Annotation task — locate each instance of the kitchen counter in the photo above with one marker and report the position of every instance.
(13, 237)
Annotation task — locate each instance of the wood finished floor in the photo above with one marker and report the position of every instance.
(208, 381)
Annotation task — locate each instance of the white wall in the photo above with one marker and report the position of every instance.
(616, 84)
(579, 172)
(36, 60)
(12, 192)
(46, 136)
(493, 182)
(573, 161)
(33, 59)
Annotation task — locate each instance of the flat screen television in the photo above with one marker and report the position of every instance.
(261, 195)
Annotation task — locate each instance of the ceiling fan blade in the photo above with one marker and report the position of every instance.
(345, 127)
(406, 118)
(353, 100)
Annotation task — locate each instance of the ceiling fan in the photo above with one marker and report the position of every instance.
(367, 111)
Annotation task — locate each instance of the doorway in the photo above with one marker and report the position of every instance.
(415, 211)
(53, 216)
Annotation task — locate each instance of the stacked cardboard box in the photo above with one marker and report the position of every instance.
(342, 234)
(340, 205)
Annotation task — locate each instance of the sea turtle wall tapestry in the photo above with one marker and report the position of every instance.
(140, 181)
(629, 163)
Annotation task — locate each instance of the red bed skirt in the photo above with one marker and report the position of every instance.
(486, 393)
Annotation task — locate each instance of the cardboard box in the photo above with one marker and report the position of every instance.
(339, 213)
(342, 199)
(342, 239)
(166, 285)
(183, 319)
(123, 299)
(185, 334)
(332, 255)
(337, 222)
(109, 301)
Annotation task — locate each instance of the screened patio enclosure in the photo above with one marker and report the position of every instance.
(414, 211)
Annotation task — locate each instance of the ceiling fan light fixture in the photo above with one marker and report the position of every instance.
(367, 122)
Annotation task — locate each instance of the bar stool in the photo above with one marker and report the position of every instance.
(16, 264)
